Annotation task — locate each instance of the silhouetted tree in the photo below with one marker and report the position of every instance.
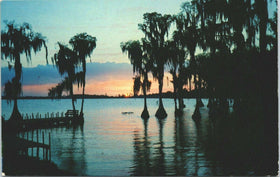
(141, 66)
(17, 40)
(190, 35)
(83, 44)
(65, 60)
(176, 59)
(155, 28)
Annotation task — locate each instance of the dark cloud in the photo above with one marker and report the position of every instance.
(48, 74)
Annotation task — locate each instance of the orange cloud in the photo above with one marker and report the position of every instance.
(112, 86)
(35, 90)
(122, 85)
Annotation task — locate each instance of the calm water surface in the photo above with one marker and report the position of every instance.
(112, 143)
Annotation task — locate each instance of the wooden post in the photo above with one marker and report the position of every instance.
(50, 146)
(47, 155)
(43, 147)
(32, 141)
(37, 146)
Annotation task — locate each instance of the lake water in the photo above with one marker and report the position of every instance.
(112, 143)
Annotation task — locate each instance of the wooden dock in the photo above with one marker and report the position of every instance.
(20, 136)
(25, 143)
(49, 120)
(31, 144)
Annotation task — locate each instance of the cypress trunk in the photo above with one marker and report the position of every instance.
(181, 101)
(84, 85)
(83, 99)
(199, 102)
(175, 89)
(16, 114)
(72, 96)
(16, 80)
(161, 113)
(145, 112)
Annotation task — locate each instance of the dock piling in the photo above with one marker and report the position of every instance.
(37, 146)
(32, 141)
(50, 146)
(43, 143)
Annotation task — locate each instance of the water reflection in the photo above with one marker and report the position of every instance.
(142, 146)
(159, 164)
(224, 142)
(201, 147)
(148, 159)
(70, 150)
(180, 142)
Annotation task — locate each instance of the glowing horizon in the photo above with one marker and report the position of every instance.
(110, 87)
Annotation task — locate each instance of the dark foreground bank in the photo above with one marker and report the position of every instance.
(31, 166)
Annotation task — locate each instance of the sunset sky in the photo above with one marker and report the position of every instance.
(110, 21)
